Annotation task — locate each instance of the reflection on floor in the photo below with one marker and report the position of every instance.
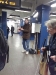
(20, 63)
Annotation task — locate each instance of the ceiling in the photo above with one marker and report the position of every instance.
(28, 4)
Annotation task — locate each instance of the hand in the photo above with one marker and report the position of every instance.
(19, 30)
(43, 48)
(22, 29)
(53, 57)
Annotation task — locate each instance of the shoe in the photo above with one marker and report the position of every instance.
(23, 51)
(27, 52)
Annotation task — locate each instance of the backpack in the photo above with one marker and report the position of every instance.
(32, 51)
(4, 50)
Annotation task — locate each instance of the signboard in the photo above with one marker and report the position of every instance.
(36, 28)
(10, 3)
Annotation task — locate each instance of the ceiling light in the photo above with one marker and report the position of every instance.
(50, 1)
(52, 15)
(10, 16)
(23, 11)
(29, 18)
(35, 15)
(23, 19)
(53, 5)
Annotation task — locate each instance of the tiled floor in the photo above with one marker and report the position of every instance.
(20, 63)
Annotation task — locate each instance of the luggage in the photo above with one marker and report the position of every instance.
(43, 64)
(32, 51)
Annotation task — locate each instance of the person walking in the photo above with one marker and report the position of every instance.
(8, 31)
(12, 30)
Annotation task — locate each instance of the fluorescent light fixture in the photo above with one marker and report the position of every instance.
(10, 16)
(52, 15)
(50, 1)
(53, 5)
(29, 18)
(34, 12)
(35, 15)
(22, 11)
(23, 19)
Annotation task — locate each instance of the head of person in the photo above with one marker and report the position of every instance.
(26, 21)
(51, 26)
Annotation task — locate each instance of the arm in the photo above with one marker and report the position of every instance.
(53, 58)
(46, 48)
(26, 30)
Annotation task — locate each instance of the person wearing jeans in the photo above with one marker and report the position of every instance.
(26, 35)
(26, 44)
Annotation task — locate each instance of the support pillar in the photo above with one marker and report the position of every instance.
(44, 12)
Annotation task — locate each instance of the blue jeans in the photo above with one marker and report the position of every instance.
(26, 44)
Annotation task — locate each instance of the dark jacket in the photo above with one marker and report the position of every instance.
(26, 31)
(52, 51)
(3, 42)
(7, 30)
(12, 29)
(52, 45)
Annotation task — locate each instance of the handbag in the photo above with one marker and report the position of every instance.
(43, 70)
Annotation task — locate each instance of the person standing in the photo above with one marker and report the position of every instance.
(26, 35)
(51, 48)
(12, 30)
(7, 31)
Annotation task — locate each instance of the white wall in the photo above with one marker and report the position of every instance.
(10, 23)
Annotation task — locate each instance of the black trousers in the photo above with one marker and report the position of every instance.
(11, 33)
(52, 66)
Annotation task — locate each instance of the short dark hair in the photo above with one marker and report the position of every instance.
(26, 18)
